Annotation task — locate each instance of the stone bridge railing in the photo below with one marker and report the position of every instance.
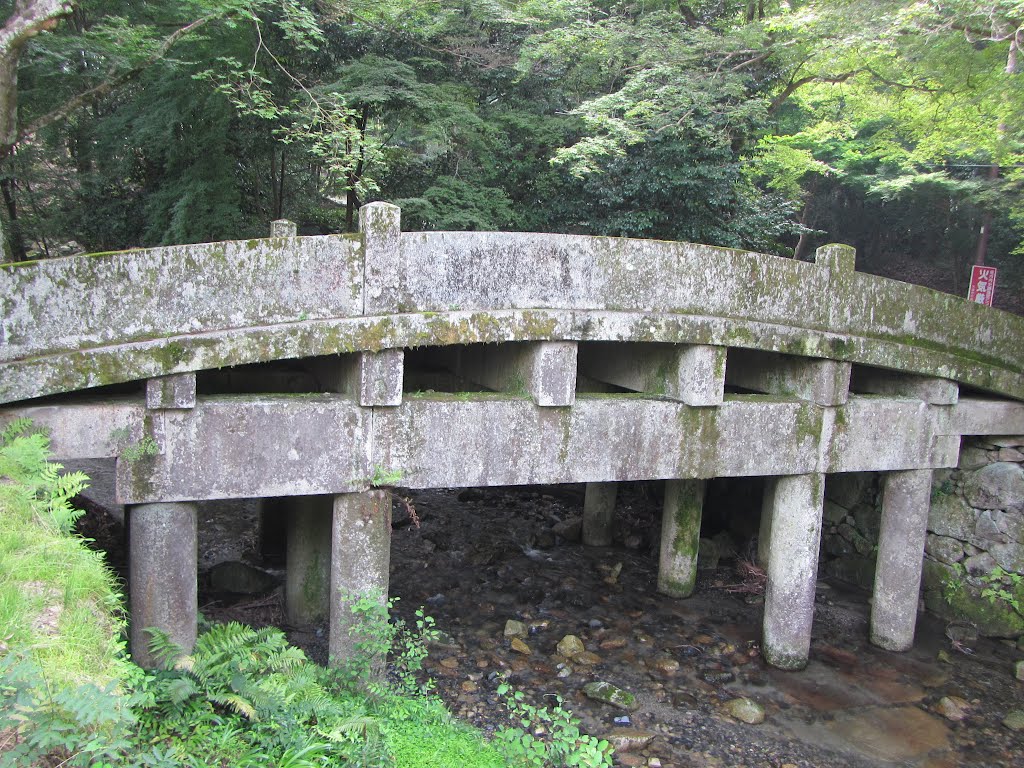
(606, 360)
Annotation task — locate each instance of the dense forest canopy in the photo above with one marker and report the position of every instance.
(776, 126)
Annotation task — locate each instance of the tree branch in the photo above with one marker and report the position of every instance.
(793, 85)
(113, 80)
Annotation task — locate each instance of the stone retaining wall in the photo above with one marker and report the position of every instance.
(975, 544)
(976, 534)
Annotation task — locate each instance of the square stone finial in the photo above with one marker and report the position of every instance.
(380, 225)
(837, 257)
(283, 228)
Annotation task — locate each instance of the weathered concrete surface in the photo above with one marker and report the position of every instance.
(163, 577)
(360, 558)
(546, 371)
(308, 558)
(934, 391)
(163, 292)
(905, 504)
(384, 271)
(94, 366)
(282, 445)
(680, 537)
(245, 447)
(378, 377)
(825, 382)
(171, 310)
(178, 391)
(598, 514)
(796, 502)
(694, 375)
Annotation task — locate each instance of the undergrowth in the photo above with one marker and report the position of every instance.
(241, 697)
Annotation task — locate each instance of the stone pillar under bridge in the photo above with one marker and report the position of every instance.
(598, 514)
(795, 503)
(906, 499)
(162, 577)
(360, 562)
(308, 575)
(680, 537)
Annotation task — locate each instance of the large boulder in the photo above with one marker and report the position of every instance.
(996, 486)
(951, 516)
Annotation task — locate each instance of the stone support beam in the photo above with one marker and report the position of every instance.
(680, 537)
(691, 374)
(881, 382)
(796, 507)
(906, 498)
(824, 382)
(545, 370)
(308, 558)
(162, 577)
(360, 559)
(176, 391)
(373, 378)
(598, 514)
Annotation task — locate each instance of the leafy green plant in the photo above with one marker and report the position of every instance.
(24, 460)
(954, 583)
(383, 478)
(137, 450)
(1003, 586)
(548, 736)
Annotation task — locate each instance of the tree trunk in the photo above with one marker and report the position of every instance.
(15, 239)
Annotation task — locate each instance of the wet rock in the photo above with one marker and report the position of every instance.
(520, 647)
(241, 578)
(665, 666)
(570, 646)
(717, 676)
(953, 708)
(612, 643)
(1018, 671)
(610, 694)
(587, 658)
(570, 530)
(745, 710)
(629, 739)
(515, 628)
(1014, 720)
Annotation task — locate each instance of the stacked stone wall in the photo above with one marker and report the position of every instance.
(851, 520)
(974, 553)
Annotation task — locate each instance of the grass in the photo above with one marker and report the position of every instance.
(70, 696)
(59, 603)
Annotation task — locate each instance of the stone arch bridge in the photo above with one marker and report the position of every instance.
(457, 359)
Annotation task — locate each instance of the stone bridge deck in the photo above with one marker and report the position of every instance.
(468, 359)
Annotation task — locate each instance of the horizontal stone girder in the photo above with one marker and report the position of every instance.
(150, 313)
(273, 445)
(91, 367)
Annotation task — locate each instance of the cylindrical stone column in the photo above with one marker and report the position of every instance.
(360, 558)
(764, 533)
(906, 497)
(308, 577)
(162, 576)
(598, 513)
(680, 537)
(796, 508)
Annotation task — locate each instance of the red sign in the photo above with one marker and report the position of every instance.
(983, 285)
